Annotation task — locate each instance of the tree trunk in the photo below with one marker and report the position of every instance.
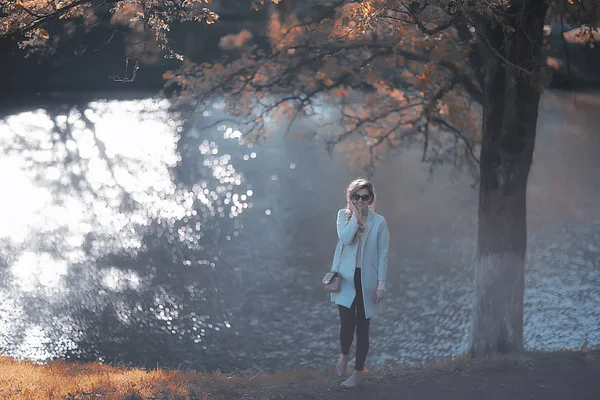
(510, 112)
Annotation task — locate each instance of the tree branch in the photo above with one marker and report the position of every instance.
(39, 20)
(473, 90)
(458, 134)
(29, 11)
(332, 50)
(485, 43)
(413, 10)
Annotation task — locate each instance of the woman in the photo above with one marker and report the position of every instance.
(361, 259)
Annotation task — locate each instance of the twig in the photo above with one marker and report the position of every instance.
(30, 12)
(458, 133)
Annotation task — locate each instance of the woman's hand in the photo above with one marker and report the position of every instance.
(379, 293)
(353, 210)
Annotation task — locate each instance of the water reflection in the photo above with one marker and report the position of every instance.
(104, 253)
(131, 236)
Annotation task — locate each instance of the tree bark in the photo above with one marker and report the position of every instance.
(511, 98)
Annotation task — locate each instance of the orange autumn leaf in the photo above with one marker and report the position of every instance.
(342, 93)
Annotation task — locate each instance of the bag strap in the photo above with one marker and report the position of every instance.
(341, 251)
(337, 269)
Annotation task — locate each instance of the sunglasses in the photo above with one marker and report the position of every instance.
(357, 197)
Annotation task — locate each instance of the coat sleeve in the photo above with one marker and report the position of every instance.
(346, 231)
(383, 244)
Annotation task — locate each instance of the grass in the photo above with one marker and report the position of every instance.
(62, 380)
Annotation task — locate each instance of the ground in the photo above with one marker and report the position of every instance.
(561, 375)
(544, 376)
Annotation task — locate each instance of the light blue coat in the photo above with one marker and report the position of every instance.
(374, 260)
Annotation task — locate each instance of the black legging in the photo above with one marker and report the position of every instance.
(351, 318)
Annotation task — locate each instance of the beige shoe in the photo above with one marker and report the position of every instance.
(355, 379)
(340, 366)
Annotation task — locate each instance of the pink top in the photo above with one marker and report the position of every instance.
(359, 252)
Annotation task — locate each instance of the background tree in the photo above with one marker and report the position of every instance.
(43, 26)
(461, 78)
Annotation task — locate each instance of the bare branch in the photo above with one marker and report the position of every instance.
(464, 81)
(426, 143)
(125, 78)
(459, 135)
(112, 35)
(413, 10)
(291, 123)
(28, 11)
(484, 41)
(331, 50)
(221, 122)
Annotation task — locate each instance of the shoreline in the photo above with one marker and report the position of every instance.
(529, 372)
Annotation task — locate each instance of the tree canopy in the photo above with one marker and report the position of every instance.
(397, 72)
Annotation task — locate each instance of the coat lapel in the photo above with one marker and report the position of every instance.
(370, 219)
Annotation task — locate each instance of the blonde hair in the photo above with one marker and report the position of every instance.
(354, 187)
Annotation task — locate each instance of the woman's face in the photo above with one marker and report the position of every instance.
(361, 198)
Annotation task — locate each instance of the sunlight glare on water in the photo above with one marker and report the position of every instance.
(102, 171)
(123, 155)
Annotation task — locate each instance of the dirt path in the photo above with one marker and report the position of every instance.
(572, 376)
(555, 376)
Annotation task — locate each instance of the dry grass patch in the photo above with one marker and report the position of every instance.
(60, 380)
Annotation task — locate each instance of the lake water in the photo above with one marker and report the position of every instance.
(131, 237)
